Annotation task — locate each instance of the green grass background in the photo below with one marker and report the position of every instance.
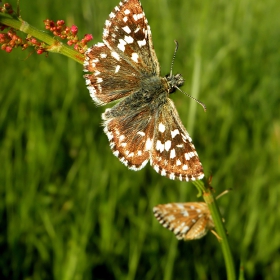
(70, 210)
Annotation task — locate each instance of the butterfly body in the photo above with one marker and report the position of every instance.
(144, 126)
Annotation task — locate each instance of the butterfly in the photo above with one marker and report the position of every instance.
(188, 221)
(144, 126)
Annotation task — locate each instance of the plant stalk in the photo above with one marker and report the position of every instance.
(219, 228)
(53, 45)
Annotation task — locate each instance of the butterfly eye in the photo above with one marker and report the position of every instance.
(174, 82)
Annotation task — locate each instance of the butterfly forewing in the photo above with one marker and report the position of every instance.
(113, 78)
(188, 221)
(125, 66)
(127, 32)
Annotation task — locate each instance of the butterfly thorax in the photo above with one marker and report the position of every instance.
(153, 89)
(174, 82)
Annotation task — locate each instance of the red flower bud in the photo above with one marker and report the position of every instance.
(88, 37)
(74, 29)
(8, 49)
(60, 22)
(40, 51)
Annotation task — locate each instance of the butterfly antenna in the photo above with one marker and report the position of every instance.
(199, 102)
(174, 55)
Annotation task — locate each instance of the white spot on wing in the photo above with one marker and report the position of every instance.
(138, 16)
(185, 167)
(172, 176)
(156, 168)
(185, 213)
(167, 145)
(186, 137)
(141, 43)
(172, 153)
(187, 156)
(105, 33)
(134, 57)
(149, 144)
(116, 153)
(127, 29)
(161, 127)
(117, 68)
(115, 55)
(121, 45)
(112, 15)
(99, 87)
(124, 161)
(200, 177)
(143, 164)
(141, 133)
(108, 23)
(185, 229)
(178, 162)
(99, 45)
(170, 218)
(128, 39)
(174, 132)
(159, 146)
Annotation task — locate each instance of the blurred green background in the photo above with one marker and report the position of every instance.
(70, 210)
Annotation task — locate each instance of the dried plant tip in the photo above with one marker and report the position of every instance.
(7, 9)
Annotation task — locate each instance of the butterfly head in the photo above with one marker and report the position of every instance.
(174, 82)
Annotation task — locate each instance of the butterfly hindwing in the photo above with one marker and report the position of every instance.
(188, 221)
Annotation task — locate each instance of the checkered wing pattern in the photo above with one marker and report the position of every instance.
(130, 132)
(173, 154)
(188, 221)
(144, 126)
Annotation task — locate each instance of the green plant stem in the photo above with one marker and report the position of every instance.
(53, 45)
(219, 227)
